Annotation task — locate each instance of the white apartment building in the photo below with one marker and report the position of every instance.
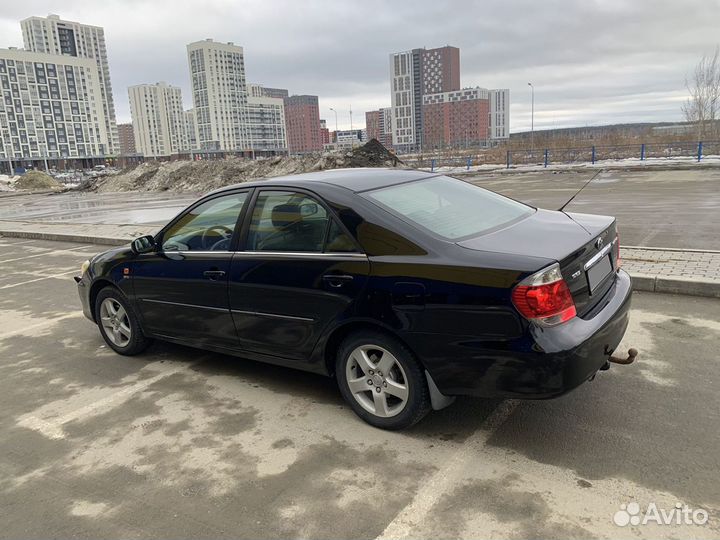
(217, 77)
(499, 113)
(53, 35)
(158, 118)
(266, 124)
(404, 86)
(51, 108)
(191, 129)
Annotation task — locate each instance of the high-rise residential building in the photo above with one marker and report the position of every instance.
(324, 133)
(266, 125)
(379, 126)
(302, 121)
(372, 124)
(51, 108)
(159, 122)
(464, 117)
(258, 90)
(386, 127)
(127, 139)
(499, 114)
(413, 74)
(191, 130)
(217, 77)
(53, 35)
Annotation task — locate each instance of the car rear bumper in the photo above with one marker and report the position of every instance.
(541, 363)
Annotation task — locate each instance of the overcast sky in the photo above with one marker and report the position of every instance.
(591, 62)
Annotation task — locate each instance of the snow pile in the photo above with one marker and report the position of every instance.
(201, 176)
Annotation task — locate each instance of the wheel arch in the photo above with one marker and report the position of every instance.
(97, 286)
(339, 333)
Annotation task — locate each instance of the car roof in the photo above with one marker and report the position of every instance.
(354, 179)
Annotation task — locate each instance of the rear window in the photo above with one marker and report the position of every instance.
(448, 207)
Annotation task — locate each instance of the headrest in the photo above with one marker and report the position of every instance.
(285, 214)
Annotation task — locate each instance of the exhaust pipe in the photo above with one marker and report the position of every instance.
(632, 353)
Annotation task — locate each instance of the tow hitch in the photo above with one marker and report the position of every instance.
(632, 353)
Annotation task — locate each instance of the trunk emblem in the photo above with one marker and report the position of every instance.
(599, 243)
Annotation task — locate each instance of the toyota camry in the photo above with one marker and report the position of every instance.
(407, 287)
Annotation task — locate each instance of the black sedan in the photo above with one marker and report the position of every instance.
(408, 287)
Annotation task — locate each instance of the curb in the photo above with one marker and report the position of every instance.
(676, 285)
(65, 237)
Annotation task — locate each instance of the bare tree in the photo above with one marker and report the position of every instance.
(703, 106)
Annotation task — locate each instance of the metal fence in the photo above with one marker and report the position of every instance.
(582, 154)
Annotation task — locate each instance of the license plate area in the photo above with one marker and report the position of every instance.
(598, 272)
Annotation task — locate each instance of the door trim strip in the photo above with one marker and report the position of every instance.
(272, 315)
(224, 310)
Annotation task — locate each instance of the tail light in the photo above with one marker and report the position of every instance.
(544, 297)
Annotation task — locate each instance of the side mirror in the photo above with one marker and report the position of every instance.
(308, 209)
(144, 244)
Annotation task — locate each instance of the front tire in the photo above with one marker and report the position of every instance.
(381, 380)
(118, 323)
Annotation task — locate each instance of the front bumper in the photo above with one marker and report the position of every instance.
(83, 287)
(542, 362)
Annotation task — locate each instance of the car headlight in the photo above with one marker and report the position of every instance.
(84, 267)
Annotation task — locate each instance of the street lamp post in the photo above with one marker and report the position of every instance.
(351, 126)
(532, 119)
(336, 124)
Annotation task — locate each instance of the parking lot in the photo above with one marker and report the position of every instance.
(660, 208)
(183, 443)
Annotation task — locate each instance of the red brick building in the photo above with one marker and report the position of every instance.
(378, 126)
(324, 133)
(372, 124)
(456, 119)
(302, 124)
(127, 139)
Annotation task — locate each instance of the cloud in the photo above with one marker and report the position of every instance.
(591, 62)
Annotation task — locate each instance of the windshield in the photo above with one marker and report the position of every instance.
(449, 207)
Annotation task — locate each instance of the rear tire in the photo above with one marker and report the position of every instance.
(118, 323)
(381, 380)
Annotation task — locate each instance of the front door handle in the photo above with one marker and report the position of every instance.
(213, 274)
(337, 280)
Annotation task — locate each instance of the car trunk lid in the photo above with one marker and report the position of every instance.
(587, 264)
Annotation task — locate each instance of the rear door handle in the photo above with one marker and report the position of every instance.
(213, 274)
(337, 280)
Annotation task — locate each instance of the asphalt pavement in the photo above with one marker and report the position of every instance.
(179, 442)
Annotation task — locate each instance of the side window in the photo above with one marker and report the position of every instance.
(290, 221)
(338, 241)
(207, 227)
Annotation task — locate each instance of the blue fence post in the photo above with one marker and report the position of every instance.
(546, 157)
(699, 151)
(507, 160)
(593, 155)
(642, 152)
(469, 163)
(432, 165)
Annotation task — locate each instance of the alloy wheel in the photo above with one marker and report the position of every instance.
(115, 321)
(377, 380)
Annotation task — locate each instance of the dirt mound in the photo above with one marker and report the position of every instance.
(202, 176)
(36, 180)
(373, 154)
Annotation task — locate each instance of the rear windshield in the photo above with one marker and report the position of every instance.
(448, 207)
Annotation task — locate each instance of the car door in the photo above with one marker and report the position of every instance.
(299, 270)
(181, 288)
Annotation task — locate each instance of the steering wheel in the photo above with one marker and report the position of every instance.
(225, 232)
